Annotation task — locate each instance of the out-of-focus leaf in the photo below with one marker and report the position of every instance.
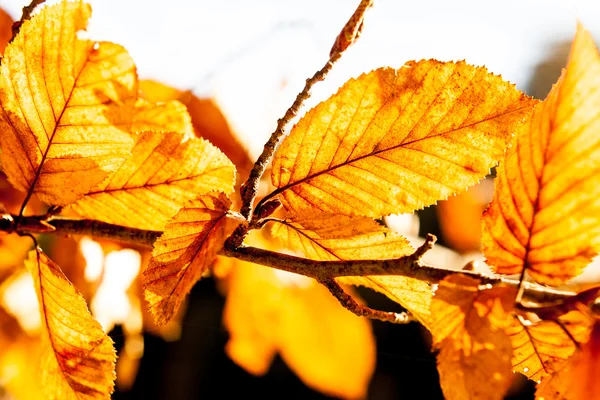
(474, 359)
(5, 29)
(163, 173)
(545, 216)
(163, 117)
(393, 141)
(78, 358)
(67, 104)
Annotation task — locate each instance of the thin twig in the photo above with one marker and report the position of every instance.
(351, 304)
(27, 11)
(409, 266)
(349, 34)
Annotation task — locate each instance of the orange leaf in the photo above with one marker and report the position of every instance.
(392, 141)
(78, 360)
(578, 378)
(269, 312)
(66, 106)
(162, 174)
(467, 327)
(545, 216)
(539, 349)
(337, 237)
(5, 29)
(188, 246)
(169, 116)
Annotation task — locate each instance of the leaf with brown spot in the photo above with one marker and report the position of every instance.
(545, 216)
(171, 116)
(162, 174)
(539, 349)
(578, 378)
(323, 236)
(393, 141)
(67, 105)
(78, 360)
(188, 246)
(467, 327)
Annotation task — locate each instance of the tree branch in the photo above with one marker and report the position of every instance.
(409, 266)
(348, 35)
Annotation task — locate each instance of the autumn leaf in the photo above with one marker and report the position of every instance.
(392, 141)
(545, 216)
(467, 327)
(78, 360)
(5, 29)
(540, 348)
(578, 378)
(208, 121)
(66, 106)
(323, 236)
(188, 246)
(162, 174)
(163, 117)
(271, 312)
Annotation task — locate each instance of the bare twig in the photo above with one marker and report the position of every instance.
(348, 35)
(361, 310)
(27, 11)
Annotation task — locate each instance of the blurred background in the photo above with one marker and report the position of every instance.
(238, 65)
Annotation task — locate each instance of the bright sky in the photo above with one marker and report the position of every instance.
(254, 55)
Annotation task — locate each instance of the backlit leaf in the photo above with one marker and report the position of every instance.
(578, 378)
(67, 106)
(337, 237)
(169, 116)
(393, 141)
(474, 358)
(270, 312)
(5, 29)
(188, 246)
(78, 360)
(545, 216)
(539, 349)
(161, 175)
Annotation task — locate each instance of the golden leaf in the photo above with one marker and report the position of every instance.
(207, 119)
(78, 360)
(578, 378)
(165, 117)
(162, 174)
(269, 312)
(545, 216)
(467, 327)
(539, 349)
(392, 141)
(188, 246)
(66, 106)
(325, 236)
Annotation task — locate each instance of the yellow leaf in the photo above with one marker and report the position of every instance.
(578, 378)
(545, 216)
(188, 246)
(269, 312)
(474, 358)
(325, 236)
(169, 116)
(162, 174)
(66, 106)
(393, 141)
(78, 360)
(539, 349)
